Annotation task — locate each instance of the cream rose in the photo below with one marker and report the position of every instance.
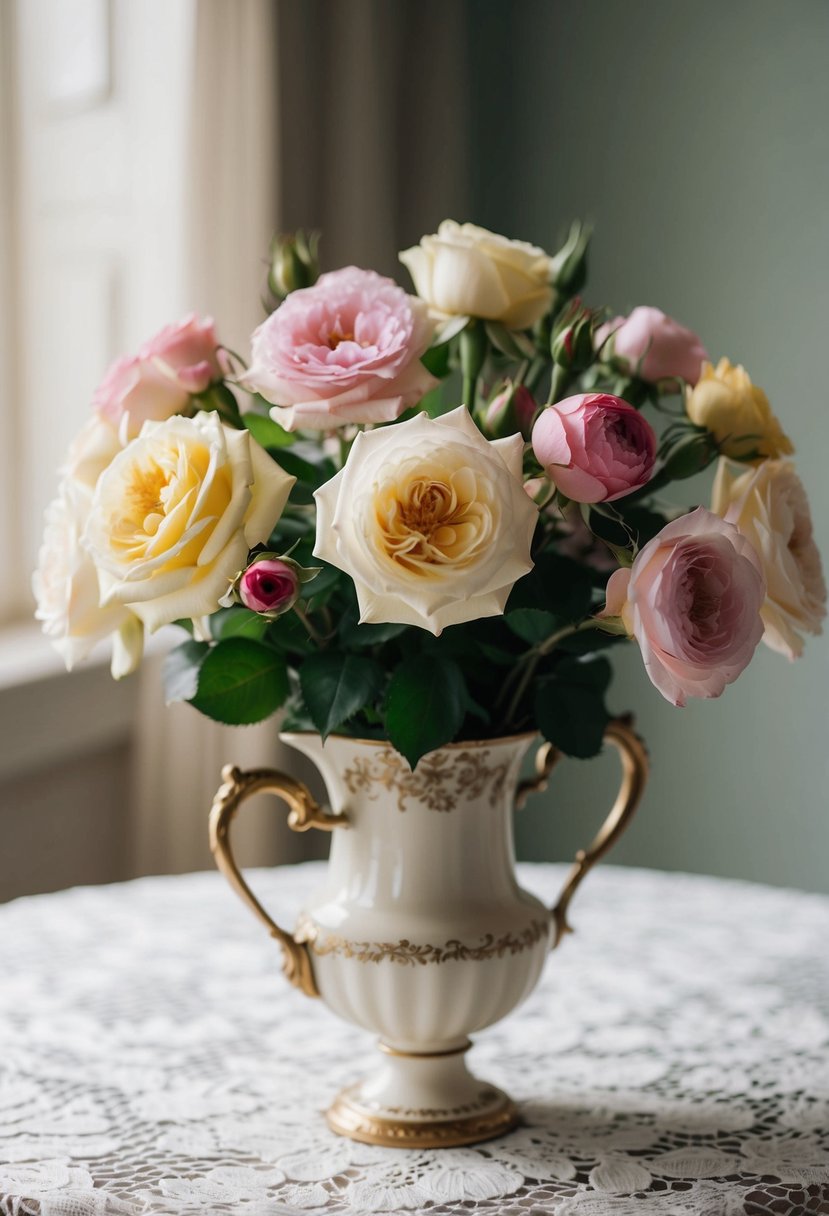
(175, 514)
(430, 520)
(768, 505)
(66, 588)
(463, 270)
(737, 412)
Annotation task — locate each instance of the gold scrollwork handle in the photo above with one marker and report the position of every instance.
(304, 813)
(546, 758)
(634, 759)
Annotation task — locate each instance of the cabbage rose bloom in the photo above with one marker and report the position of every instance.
(157, 382)
(595, 447)
(769, 506)
(692, 601)
(430, 520)
(736, 412)
(345, 350)
(654, 346)
(464, 270)
(175, 514)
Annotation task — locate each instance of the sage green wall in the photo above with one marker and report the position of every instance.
(694, 136)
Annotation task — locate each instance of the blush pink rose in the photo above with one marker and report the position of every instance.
(345, 350)
(157, 382)
(666, 349)
(595, 447)
(692, 601)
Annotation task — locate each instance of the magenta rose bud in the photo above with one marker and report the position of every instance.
(692, 601)
(158, 382)
(269, 587)
(654, 346)
(346, 350)
(595, 447)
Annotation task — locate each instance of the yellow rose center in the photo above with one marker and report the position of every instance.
(426, 521)
(336, 337)
(170, 505)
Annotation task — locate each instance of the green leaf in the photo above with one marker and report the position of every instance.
(425, 706)
(531, 624)
(510, 342)
(436, 360)
(266, 432)
(180, 670)
(238, 622)
(360, 636)
(241, 682)
(569, 706)
(336, 686)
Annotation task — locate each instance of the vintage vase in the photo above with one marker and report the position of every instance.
(420, 932)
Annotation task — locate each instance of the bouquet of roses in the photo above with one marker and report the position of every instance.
(423, 517)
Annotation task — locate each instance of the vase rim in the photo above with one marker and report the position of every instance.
(465, 743)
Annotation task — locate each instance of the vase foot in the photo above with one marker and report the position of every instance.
(422, 1101)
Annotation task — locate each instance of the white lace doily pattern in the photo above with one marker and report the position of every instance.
(672, 1061)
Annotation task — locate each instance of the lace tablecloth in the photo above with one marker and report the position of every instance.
(672, 1060)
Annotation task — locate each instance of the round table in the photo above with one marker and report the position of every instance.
(672, 1060)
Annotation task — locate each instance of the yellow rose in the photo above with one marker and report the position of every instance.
(464, 270)
(736, 412)
(175, 514)
(768, 505)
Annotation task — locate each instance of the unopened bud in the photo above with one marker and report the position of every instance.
(512, 409)
(572, 344)
(568, 267)
(294, 263)
(270, 584)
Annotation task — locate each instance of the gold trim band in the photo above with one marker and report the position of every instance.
(348, 1118)
(424, 1055)
(410, 953)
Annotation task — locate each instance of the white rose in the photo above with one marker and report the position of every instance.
(175, 514)
(67, 592)
(94, 447)
(468, 271)
(769, 507)
(430, 520)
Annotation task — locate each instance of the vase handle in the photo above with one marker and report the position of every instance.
(304, 813)
(634, 759)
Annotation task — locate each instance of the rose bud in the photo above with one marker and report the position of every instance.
(653, 347)
(513, 408)
(692, 601)
(568, 267)
(294, 263)
(572, 344)
(595, 447)
(270, 585)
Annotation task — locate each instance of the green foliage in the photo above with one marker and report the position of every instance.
(569, 706)
(425, 706)
(336, 686)
(240, 682)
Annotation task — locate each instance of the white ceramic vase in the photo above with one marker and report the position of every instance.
(420, 932)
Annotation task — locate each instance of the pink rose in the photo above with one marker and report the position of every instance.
(159, 380)
(667, 350)
(269, 586)
(595, 447)
(345, 350)
(692, 601)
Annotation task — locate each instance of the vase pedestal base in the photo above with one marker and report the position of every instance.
(422, 1101)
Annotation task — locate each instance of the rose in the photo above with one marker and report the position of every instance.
(653, 345)
(66, 588)
(692, 601)
(595, 447)
(430, 520)
(345, 350)
(175, 514)
(463, 270)
(769, 507)
(513, 408)
(179, 361)
(92, 449)
(736, 412)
